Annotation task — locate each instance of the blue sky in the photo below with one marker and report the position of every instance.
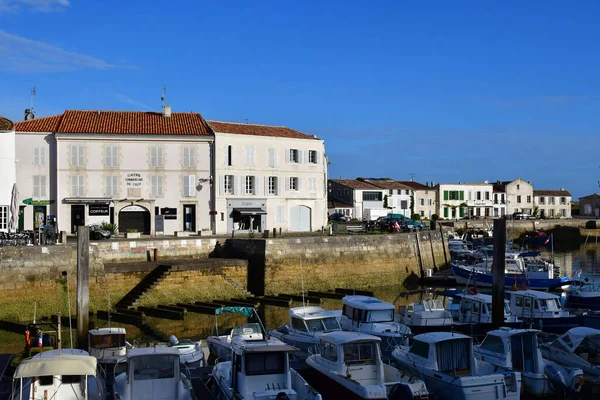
(449, 91)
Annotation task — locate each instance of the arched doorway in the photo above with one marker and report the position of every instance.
(300, 219)
(134, 217)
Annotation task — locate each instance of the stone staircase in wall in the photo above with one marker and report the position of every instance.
(235, 285)
(151, 280)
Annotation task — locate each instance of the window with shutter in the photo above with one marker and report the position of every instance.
(186, 157)
(36, 156)
(272, 158)
(77, 156)
(77, 185)
(188, 185)
(156, 157)
(312, 157)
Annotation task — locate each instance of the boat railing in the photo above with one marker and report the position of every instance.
(223, 359)
(314, 350)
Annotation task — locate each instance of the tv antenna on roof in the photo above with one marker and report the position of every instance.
(162, 98)
(32, 96)
(30, 113)
(412, 176)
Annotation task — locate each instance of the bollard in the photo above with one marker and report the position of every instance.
(232, 233)
(155, 254)
(330, 230)
(274, 232)
(279, 231)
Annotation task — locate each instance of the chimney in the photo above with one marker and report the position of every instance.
(167, 111)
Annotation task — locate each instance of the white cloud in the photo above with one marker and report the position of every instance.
(24, 55)
(13, 6)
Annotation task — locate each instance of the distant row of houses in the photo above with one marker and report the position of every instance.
(352, 197)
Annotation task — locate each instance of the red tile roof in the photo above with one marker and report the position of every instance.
(590, 197)
(45, 124)
(355, 184)
(416, 185)
(388, 184)
(257, 130)
(119, 122)
(561, 192)
(5, 124)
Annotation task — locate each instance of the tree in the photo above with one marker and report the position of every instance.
(385, 201)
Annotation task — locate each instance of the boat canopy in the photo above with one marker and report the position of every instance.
(573, 338)
(367, 303)
(56, 365)
(245, 311)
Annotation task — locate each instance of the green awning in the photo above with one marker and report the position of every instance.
(245, 311)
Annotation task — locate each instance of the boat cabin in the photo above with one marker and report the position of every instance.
(445, 352)
(357, 355)
(426, 313)
(314, 319)
(107, 344)
(535, 304)
(151, 372)
(474, 308)
(514, 349)
(70, 374)
(260, 368)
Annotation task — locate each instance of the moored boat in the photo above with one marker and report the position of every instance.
(425, 316)
(259, 369)
(107, 344)
(353, 362)
(445, 361)
(517, 350)
(219, 346)
(151, 373)
(374, 317)
(306, 326)
(67, 374)
(190, 351)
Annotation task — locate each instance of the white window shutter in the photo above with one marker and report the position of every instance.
(287, 183)
(192, 157)
(160, 156)
(115, 154)
(236, 185)
(80, 149)
(73, 186)
(266, 191)
(115, 185)
(276, 151)
(253, 156)
(192, 183)
(107, 156)
(298, 185)
(247, 164)
(256, 186)
(221, 184)
(36, 155)
(42, 156)
(232, 156)
(287, 155)
(185, 186)
(306, 156)
(153, 157)
(73, 155)
(186, 157)
(278, 185)
(160, 185)
(318, 157)
(225, 154)
(107, 191)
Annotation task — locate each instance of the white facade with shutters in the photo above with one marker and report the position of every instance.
(266, 182)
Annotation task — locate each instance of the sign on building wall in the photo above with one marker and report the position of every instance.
(98, 209)
(169, 213)
(134, 180)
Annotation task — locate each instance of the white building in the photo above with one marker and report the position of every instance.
(553, 203)
(465, 200)
(362, 195)
(7, 169)
(396, 196)
(268, 177)
(89, 167)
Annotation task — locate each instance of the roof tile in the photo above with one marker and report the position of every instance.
(45, 124)
(355, 184)
(561, 192)
(257, 130)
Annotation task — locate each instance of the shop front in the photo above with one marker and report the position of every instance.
(246, 215)
(88, 211)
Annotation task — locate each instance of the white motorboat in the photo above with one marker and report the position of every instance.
(425, 316)
(108, 344)
(445, 361)
(543, 309)
(517, 350)
(219, 346)
(191, 353)
(259, 370)
(353, 362)
(67, 374)
(580, 348)
(306, 326)
(374, 317)
(151, 373)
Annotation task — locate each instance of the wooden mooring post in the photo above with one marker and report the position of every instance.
(83, 286)
(498, 266)
(443, 245)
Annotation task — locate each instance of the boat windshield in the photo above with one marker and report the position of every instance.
(323, 324)
(380, 316)
(265, 363)
(154, 367)
(107, 341)
(549, 304)
(360, 353)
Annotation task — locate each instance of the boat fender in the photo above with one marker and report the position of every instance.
(400, 392)
(556, 378)
(282, 396)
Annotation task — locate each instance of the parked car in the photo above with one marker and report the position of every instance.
(410, 225)
(338, 217)
(520, 215)
(96, 233)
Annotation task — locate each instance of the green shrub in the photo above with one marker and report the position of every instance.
(132, 230)
(112, 228)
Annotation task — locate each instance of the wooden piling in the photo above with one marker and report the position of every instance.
(83, 286)
(419, 259)
(432, 253)
(443, 245)
(498, 266)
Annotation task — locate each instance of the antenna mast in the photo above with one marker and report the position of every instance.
(164, 93)
(412, 176)
(32, 97)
